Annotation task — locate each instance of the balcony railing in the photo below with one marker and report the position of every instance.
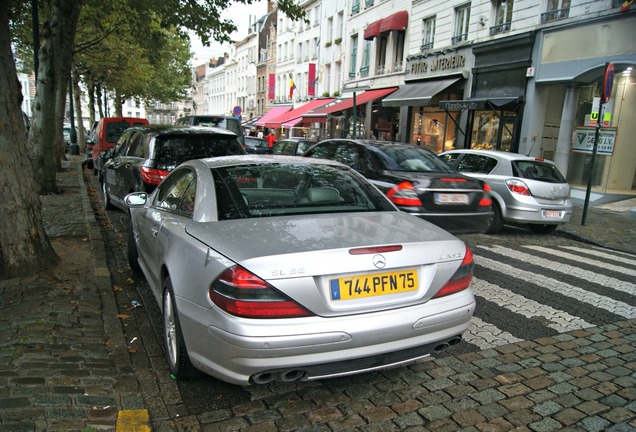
(459, 38)
(352, 75)
(501, 28)
(355, 8)
(555, 15)
(369, 3)
(426, 45)
(364, 72)
(380, 69)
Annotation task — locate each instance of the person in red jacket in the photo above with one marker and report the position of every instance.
(270, 138)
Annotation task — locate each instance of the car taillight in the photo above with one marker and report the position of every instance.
(241, 293)
(461, 279)
(152, 175)
(404, 194)
(518, 187)
(485, 201)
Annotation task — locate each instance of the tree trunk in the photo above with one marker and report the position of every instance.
(118, 104)
(24, 245)
(98, 91)
(55, 57)
(79, 121)
(90, 86)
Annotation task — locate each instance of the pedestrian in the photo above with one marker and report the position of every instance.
(270, 138)
(259, 134)
(372, 135)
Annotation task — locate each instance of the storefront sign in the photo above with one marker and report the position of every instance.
(437, 64)
(584, 140)
(596, 112)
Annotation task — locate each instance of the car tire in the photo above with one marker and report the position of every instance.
(108, 205)
(543, 228)
(175, 349)
(133, 253)
(497, 221)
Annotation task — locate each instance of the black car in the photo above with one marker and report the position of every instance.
(145, 155)
(416, 180)
(255, 145)
(291, 146)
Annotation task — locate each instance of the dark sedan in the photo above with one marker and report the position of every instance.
(145, 155)
(416, 181)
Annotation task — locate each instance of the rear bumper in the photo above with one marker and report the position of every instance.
(525, 214)
(315, 347)
(462, 223)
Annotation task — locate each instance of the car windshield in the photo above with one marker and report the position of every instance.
(173, 150)
(537, 170)
(255, 142)
(411, 158)
(265, 190)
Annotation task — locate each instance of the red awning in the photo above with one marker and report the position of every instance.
(361, 98)
(272, 114)
(297, 112)
(372, 30)
(397, 21)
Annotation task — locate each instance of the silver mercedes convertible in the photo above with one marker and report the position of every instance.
(286, 268)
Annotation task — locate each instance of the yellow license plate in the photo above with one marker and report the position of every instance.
(377, 284)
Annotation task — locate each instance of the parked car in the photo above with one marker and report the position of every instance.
(287, 268)
(230, 123)
(415, 180)
(525, 189)
(291, 146)
(255, 145)
(66, 131)
(146, 154)
(107, 133)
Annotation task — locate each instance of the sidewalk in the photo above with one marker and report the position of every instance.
(65, 366)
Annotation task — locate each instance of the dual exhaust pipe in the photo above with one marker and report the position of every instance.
(297, 374)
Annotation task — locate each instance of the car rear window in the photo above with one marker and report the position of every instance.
(222, 122)
(170, 152)
(251, 191)
(114, 131)
(411, 158)
(537, 170)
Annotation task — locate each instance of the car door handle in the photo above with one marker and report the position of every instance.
(154, 231)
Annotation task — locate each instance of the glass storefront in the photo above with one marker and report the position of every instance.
(433, 129)
(615, 162)
(493, 130)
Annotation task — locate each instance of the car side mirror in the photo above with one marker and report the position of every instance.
(136, 199)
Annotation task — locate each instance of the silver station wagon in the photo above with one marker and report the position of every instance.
(524, 189)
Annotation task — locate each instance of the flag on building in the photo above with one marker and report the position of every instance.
(292, 86)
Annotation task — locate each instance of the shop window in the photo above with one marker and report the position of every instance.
(433, 130)
(493, 130)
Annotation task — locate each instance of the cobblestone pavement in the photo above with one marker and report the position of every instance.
(65, 363)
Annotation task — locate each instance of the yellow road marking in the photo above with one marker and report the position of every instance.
(133, 421)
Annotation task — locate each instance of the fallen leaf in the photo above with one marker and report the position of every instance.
(123, 316)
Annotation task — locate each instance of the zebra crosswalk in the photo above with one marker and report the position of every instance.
(528, 291)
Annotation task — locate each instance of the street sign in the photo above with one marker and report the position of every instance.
(237, 110)
(608, 82)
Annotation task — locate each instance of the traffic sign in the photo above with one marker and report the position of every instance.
(608, 82)
(237, 110)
